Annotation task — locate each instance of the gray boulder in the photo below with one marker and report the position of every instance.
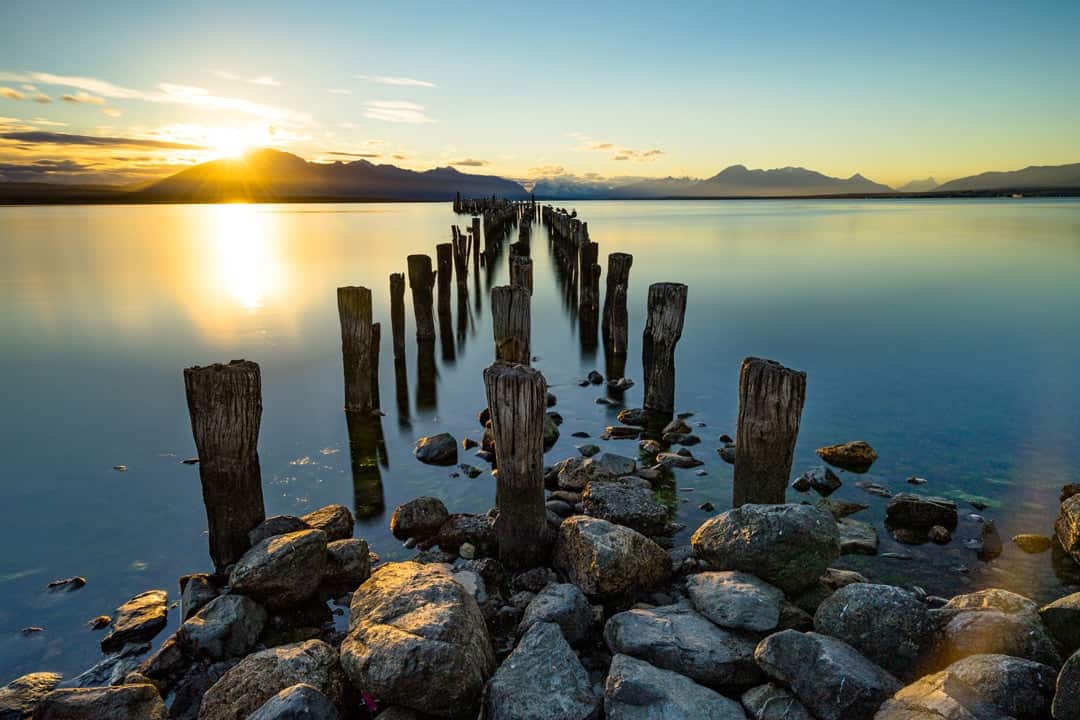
(993, 599)
(123, 702)
(1066, 704)
(228, 626)
(635, 690)
(419, 518)
(827, 675)
(674, 637)
(417, 638)
(282, 570)
(348, 563)
(857, 537)
(297, 702)
(541, 680)
(563, 604)
(788, 546)
(1067, 526)
(276, 525)
(772, 702)
(626, 501)
(886, 624)
(196, 590)
(735, 600)
(138, 620)
(334, 520)
(1062, 619)
(19, 697)
(921, 512)
(112, 670)
(605, 559)
(438, 449)
(989, 632)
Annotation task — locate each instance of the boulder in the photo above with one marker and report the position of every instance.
(978, 687)
(262, 675)
(228, 626)
(276, 525)
(857, 537)
(1062, 619)
(626, 501)
(886, 624)
(417, 638)
(551, 432)
(110, 671)
(1067, 526)
(856, 456)
(993, 599)
(1066, 705)
(840, 508)
(605, 559)
(438, 449)
(735, 600)
(822, 479)
(187, 694)
(334, 520)
(772, 702)
(827, 675)
(607, 466)
(920, 512)
(123, 702)
(348, 563)
(541, 680)
(196, 590)
(682, 459)
(633, 416)
(138, 620)
(297, 702)
(675, 637)
(635, 690)
(282, 570)
(19, 697)
(788, 546)
(1032, 543)
(569, 475)
(564, 605)
(989, 632)
(465, 528)
(167, 664)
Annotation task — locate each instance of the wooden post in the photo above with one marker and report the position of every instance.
(521, 272)
(517, 396)
(444, 253)
(512, 323)
(421, 281)
(397, 313)
(618, 274)
(462, 244)
(663, 328)
(359, 348)
(617, 332)
(225, 404)
(771, 400)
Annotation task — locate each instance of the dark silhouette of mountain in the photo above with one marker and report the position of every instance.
(565, 187)
(1032, 178)
(919, 186)
(739, 181)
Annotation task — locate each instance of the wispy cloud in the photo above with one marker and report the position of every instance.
(48, 123)
(11, 94)
(396, 80)
(547, 171)
(42, 98)
(264, 80)
(339, 91)
(112, 112)
(397, 111)
(84, 98)
(366, 156)
(613, 150)
(41, 137)
(469, 162)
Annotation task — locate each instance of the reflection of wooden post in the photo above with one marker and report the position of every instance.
(521, 272)
(618, 274)
(397, 313)
(225, 404)
(512, 322)
(771, 400)
(359, 348)
(517, 396)
(663, 328)
(421, 280)
(366, 449)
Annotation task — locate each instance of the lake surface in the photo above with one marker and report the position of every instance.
(945, 333)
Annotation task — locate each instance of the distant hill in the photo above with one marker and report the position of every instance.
(564, 187)
(919, 186)
(1035, 177)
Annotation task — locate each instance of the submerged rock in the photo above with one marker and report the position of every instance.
(908, 510)
(282, 570)
(857, 537)
(735, 600)
(138, 620)
(635, 690)
(418, 518)
(1066, 704)
(856, 456)
(1033, 544)
(112, 670)
(123, 702)
(605, 559)
(634, 416)
(1067, 526)
(840, 508)
(296, 702)
(438, 449)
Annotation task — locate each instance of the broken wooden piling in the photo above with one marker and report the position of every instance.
(359, 348)
(614, 314)
(397, 314)
(512, 323)
(663, 328)
(421, 282)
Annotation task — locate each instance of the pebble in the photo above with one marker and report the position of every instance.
(190, 461)
(916, 480)
(120, 468)
(69, 584)
(32, 630)
(101, 621)
(707, 506)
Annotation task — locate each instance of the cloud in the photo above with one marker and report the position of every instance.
(41, 137)
(400, 157)
(42, 98)
(339, 91)
(112, 112)
(470, 162)
(48, 123)
(11, 93)
(396, 80)
(397, 111)
(547, 171)
(614, 151)
(265, 80)
(83, 97)
(355, 155)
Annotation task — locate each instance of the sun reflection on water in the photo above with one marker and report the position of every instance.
(247, 254)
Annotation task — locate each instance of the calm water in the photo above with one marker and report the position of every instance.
(945, 333)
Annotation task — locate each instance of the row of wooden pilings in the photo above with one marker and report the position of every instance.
(225, 402)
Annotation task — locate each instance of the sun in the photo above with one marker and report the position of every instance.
(231, 144)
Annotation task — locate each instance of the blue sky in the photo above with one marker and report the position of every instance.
(895, 91)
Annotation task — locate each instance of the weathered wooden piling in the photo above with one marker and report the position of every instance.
(521, 272)
(225, 404)
(359, 348)
(421, 282)
(618, 276)
(617, 330)
(663, 328)
(771, 399)
(512, 321)
(462, 245)
(517, 397)
(397, 313)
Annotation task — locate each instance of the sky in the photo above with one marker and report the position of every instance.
(121, 91)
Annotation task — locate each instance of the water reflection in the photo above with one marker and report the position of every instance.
(367, 452)
(248, 255)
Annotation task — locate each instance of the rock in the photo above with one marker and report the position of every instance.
(675, 637)
(634, 416)
(874, 488)
(296, 702)
(1066, 704)
(262, 675)
(190, 689)
(1033, 544)
(605, 559)
(66, 584)
(138, 620)
(196, 590)
(595, 378)
(1062, 620)
(1068, 490)
(587, 449)
(564, 605)
(551, 430)
(772, 702)
(1067, 526)
(99, 623)
(727, 453)
(907, 510)
(857, 537)
(827, 675)
(707, 506)
(627, 501)
(417, 638)
(560, 508)
(994, 599)
(438, 449)
(988, 632)
(334, 520)
(981, 686)
(608, 466)
(623, 383)
(801, 483)
(678, 460)
(282, 570)
(678, 425)
(468, 443)
(19, 697)
(533, 580)
(735, 600)
(228, 626)
(990, 545)
(788, 546)
(887, 625)
(467, 529)
(541, 680)
(110, 671)
(856, 456)
(939, 535)
(123, 702)
(276, 525)
(822, 479)
(840, 508)
(348, 563)
(635, 690)
(419, 518)
(618, 432)
(912, 480)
